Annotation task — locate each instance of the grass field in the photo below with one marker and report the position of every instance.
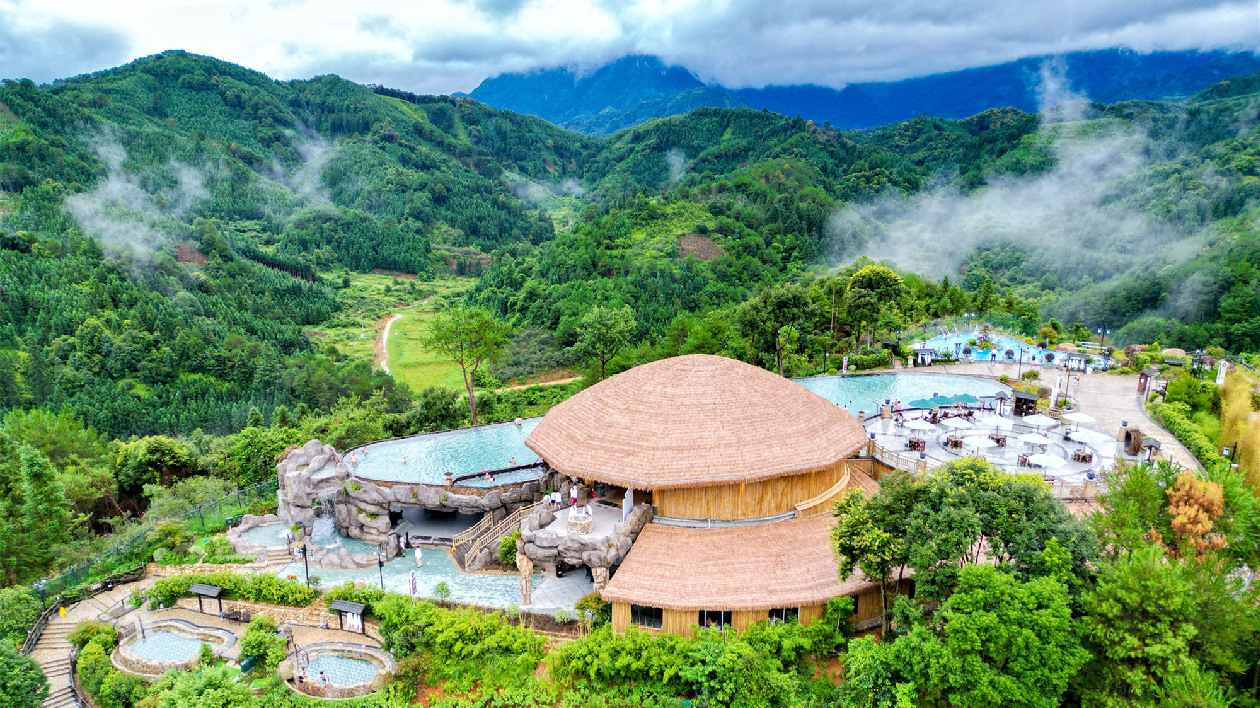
(409, 361)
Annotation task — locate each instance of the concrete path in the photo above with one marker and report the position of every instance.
(53, 649)
(554, 594)
(384, 341)
(1110, 399)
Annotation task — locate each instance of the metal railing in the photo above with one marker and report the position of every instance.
(37, 630)
(206, 518)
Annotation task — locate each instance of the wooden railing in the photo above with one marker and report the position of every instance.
(472, 532)
(817, 505)
(897, 460)
(500, 529)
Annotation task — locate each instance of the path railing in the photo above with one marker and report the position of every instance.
(498, 530)
(37, 631)
(206, 518)
(897, 460)
(469, 534)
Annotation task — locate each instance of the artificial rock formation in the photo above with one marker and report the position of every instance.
(309, 474)
(547, 547)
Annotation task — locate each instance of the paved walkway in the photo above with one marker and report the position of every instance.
(1110, 399)
(554, 594)
(53, 649)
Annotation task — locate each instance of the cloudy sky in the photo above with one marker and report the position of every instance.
(441, 46)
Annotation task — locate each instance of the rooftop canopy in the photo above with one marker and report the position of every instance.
(785, 564)
(693, 421)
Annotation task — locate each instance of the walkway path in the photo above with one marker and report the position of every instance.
(53, 649)
(383, 353)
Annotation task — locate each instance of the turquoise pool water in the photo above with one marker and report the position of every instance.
(342, 670)
(427, 458)
(476, 589)
(165, 645)
(324, 534)
(868, 393)
(955, 343)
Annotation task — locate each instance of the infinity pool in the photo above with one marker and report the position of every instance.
(427, 459)
(955, 343)
(868, 393)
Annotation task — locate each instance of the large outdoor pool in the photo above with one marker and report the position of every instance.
(426, 459)
(868, 393)
(954, 344)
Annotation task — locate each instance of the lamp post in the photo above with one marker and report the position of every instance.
(306, 563)
(380, 563)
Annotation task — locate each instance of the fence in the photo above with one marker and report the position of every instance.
(1065, 491)
(207, 518)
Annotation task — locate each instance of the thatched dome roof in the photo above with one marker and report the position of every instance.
(693, 421)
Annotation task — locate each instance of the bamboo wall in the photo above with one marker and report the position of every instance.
(746, 501)
(683, 622)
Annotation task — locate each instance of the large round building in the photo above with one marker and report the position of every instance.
(740, 466)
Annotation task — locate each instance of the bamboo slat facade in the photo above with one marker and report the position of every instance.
(684, 622)
(746, 501)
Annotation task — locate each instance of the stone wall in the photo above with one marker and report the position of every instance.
(546, 547)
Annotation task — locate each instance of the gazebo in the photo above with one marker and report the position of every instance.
(202, 590)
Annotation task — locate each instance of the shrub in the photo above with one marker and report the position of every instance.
(513, 612)
(878, 359)
(88, 632)
(347, 591)
(1030, 375)
(507, 548)
(442, 591)
(260, 640)
(258, 587)
(598, 608)
(1175, 417)
(412, 627)
(1004, 378)
(563, 617)
(413, 671)
(206, 656)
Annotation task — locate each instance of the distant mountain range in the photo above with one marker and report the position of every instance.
(635, 89)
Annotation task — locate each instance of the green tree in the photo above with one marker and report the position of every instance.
(1152, 618)
(862, 544)
(22, 681)
(209, 688)
(260, 640)
(47, 514)
(19, 608)
(469, 336)
(603, 332)
(156, 459)
(995, 641)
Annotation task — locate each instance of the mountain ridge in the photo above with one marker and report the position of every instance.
(636, 88)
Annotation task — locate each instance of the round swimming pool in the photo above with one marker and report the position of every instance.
(339, 670)
(868, 393)
(427, 459)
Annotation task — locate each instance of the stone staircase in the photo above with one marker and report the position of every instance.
(54, 649)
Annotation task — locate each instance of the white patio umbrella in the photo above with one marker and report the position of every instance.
(997, 422)
(1040, 421)
(920, 424)
(1092, 437)
(1045, 460)
(1035, 439)
(978, 442)
(955, 423)
(1078, 417)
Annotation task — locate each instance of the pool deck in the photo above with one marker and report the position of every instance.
(1109, 398)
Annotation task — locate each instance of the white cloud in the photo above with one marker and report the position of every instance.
(449, 45)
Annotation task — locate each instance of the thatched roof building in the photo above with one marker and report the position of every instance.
(693, 421)
(741, 467)
(788, 564)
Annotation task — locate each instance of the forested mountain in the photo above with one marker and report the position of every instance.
(169, 229)
(637, 88)
(626, 92)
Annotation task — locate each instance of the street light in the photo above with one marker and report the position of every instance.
(380, 563)
(306, 564)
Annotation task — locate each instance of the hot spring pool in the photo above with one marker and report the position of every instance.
(868, 393)
(167, 645)
(342, 670)
(349, 669)
(426, 459)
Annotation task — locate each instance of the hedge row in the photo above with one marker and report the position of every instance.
(1175, 417)
(256, 587)
(875, 360)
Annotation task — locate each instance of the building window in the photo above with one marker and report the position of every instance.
(649, 617)
(715, 619)
(784, 614)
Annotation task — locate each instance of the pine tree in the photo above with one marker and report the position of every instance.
(255, 419)
(37, 373)
(46, 512)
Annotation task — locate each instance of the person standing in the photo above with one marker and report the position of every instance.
(573, 494)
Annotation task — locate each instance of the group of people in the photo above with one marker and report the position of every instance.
(555, 500)
(322, 679)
